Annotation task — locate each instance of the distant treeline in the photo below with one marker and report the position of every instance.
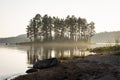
(47, 28)
(106, 37)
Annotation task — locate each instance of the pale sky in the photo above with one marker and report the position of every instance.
(15, 14)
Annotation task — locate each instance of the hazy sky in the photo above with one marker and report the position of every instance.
(15, 14)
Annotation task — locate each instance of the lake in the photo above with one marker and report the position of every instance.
(16, 59)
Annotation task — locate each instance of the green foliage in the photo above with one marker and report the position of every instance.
(106, 49)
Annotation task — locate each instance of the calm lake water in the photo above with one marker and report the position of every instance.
(15, 59)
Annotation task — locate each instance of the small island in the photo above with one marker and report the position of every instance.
(53, 29)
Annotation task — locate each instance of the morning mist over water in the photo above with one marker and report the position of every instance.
(19, 57)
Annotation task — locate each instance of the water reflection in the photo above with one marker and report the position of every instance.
(36, 53)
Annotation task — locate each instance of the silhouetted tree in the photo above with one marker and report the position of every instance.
(45, 27)
(49, 28)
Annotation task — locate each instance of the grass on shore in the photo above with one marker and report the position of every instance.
(107, 49)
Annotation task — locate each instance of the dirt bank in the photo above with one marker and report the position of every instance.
(98, 67)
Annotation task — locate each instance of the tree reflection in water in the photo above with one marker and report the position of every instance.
(35, 53)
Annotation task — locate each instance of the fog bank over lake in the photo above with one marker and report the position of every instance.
(15, 59)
